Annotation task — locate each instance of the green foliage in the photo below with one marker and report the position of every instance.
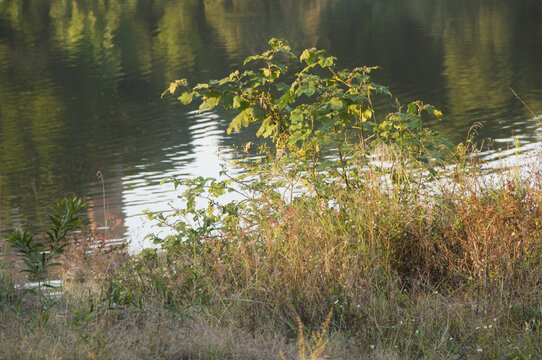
(324, 131)
(313, 111)
(39, 253)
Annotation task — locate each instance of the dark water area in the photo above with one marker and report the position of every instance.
(80, 85)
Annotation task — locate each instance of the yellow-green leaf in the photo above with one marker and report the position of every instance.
(242, 120)
(186, 97)
(209, 104)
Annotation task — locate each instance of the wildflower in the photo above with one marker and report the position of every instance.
(479, 349)
(417, 332)
(372, 346)
(336, 301)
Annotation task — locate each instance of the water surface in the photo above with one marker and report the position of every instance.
(80, 85)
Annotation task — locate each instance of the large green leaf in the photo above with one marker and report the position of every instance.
(242, 120)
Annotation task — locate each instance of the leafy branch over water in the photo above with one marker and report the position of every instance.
(312, 111)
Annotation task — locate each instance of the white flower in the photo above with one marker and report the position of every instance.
(417, 332)
(479, 349)
(372, 346)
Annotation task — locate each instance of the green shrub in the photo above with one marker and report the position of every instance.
(338, 209)
(321, 119)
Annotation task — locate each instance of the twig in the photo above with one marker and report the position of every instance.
(100, 176)
(520, 99)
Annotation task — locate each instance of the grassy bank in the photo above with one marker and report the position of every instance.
(346, 220)
(455, 275)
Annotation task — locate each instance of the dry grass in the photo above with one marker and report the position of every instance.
(430, 326)
(132, 334)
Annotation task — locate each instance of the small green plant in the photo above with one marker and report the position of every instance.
(114, 296)
(8, 293)
(39, 253)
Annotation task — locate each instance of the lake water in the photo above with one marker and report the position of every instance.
(80, 85)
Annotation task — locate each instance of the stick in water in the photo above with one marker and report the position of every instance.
(520, 99)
